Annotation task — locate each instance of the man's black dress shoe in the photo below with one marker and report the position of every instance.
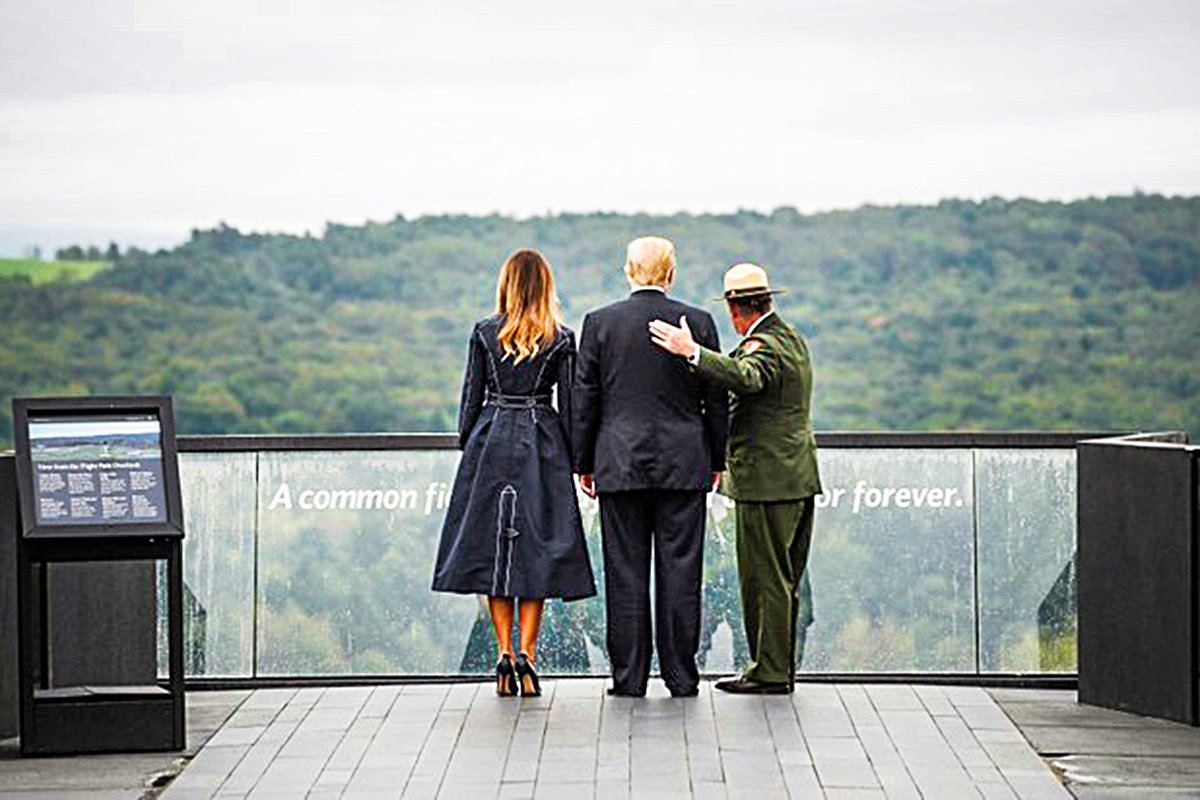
(695, 690)
(615, 692)
(743, 685)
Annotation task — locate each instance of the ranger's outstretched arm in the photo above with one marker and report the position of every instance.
(745, 372)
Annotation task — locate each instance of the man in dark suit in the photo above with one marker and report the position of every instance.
(649, 440)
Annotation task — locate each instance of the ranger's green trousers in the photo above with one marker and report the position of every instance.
(772, 550)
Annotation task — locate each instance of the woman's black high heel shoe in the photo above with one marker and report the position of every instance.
(506, 677)
(530, 687)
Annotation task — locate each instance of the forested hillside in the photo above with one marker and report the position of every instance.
(998, 315)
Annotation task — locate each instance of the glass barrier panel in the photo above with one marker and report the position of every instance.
(219, 493)
(1027, 609)
(891, 568)
(347, 542)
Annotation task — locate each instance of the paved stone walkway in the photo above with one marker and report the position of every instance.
(461, 741)
(129, 776)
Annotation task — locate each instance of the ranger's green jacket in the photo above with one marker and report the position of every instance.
(772, 454)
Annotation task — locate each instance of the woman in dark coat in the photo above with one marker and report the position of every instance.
(512, 529)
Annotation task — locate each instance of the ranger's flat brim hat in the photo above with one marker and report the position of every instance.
(747, 280)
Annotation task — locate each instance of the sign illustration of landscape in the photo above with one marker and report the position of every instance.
(97, 470)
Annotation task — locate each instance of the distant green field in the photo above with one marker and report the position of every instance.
(46, 271)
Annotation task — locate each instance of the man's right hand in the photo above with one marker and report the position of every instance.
(585, 482)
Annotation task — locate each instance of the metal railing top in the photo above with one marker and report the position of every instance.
(1171, 440)
(238, 443)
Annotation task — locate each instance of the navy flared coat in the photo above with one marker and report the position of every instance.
(513, 528)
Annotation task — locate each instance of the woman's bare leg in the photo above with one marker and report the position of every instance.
(531, 622)
(501, 609)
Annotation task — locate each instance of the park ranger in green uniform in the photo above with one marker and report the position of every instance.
(772, 460)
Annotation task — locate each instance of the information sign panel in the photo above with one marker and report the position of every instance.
(97, 466)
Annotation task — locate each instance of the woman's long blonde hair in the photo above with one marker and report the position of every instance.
(526, 297)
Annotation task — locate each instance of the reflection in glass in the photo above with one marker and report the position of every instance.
(571, 641)
(1026, 556)
(891, 585)
(1058, 623)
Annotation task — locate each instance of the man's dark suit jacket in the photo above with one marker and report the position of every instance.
(643, 419)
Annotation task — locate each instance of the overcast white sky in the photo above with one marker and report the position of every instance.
(141, 120)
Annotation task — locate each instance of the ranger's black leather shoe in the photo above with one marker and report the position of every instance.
(743, 685)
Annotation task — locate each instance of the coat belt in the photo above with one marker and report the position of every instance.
(517, 400)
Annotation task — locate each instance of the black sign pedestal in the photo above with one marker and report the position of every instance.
(107, 514)
(59, 720)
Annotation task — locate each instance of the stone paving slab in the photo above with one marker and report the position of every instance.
(1106, 754)
(1114, 741)
(1168, 772)
(574, 742)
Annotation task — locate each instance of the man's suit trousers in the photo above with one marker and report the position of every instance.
(671, 523)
